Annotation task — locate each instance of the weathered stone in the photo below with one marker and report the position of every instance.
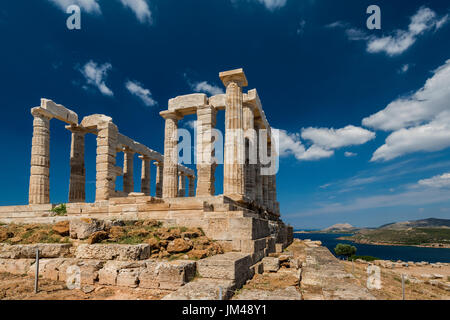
(271, 264)
(83, 228)
(62, 228)
(122, 252)
(174, 274)
(179, 245)
(97, 237)
(28, 251)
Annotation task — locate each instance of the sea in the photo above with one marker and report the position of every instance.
(403, 253)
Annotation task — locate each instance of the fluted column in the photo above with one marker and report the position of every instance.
(159, 178)
(259, 197)
(77, 183)
(234, 150)
(145, 175)
(250, 150)
(206, 166)
(170, 179)
(107, 172)
(128, 180)
(39, 190)
(191, 191)
(181, 185)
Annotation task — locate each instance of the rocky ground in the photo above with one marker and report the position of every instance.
(16, 287)
(421, 282)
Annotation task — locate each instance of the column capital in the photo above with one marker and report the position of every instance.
(128, 150)
(144, 157)
(237, 76)
(41, 113)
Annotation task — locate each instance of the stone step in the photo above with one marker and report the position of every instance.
(204, 289)
(234, 266)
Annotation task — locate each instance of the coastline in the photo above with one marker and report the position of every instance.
(431, 245)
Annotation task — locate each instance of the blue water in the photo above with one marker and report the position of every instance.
(404, 253)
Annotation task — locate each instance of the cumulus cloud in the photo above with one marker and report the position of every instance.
(417, 108)
(337, 138)
(135, 88)
(423, 21)
(433, 136)
(140, 9)
(404, 68)
(90, 6)
(206, 87)
(419, 121)
(290, 144)
(95, 76)
(441, 181)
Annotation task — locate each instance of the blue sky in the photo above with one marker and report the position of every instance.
(363, 114)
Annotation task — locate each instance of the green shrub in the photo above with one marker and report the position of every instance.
(345, 250)
(365, 258)
(60, 210)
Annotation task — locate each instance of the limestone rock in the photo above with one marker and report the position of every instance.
(28, 251)
(122, 252)
(62, 228)
(83, 228)
(179, 245)
(271, 264)
(97, 237)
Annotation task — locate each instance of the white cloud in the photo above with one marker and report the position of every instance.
(423, 21)
(96, 75)
(273, 4)
(430, 137)
(441, 181)
(140, 9)
(290, 144)
(301, 27)
(420, 122)
(334, 139)
(90, 6)
(191, 124)
(350, 154)
(143, 94)
(424, 105)
(205, 87)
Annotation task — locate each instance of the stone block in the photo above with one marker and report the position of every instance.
(83, 228)
(174, 274)
(121, 252)
(15, 266)
(28, 251)
(230, 266)
(128, 278)
(271, 264)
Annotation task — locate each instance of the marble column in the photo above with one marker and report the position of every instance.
(145, 175)
(77, 182)
(170, 179)
(159, 178)
(128, 180)
(181, 185)
(206, 166)
(39, 191)
(250, 150)
(191, 191)
(234, 150)
(269, 202)
(107, 172)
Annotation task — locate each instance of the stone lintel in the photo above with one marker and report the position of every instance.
(59, 111)
(169, 114)
(218, 101)
(236, 75)
(126, 142)
(188, 104)
(91, 122)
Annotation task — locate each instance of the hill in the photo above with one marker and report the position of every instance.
(424, 223)
(339, 227)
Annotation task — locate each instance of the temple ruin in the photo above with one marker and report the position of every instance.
(246, 217)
